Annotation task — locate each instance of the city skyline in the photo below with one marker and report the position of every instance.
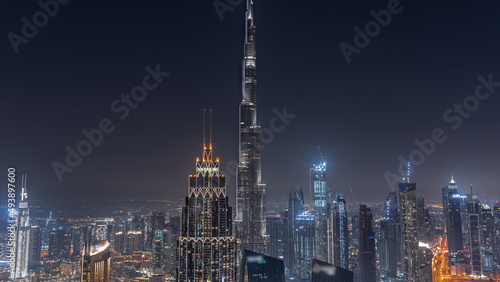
(57, 88)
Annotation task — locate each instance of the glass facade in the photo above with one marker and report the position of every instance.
(259, 267)
(320, 194)
(325, 272)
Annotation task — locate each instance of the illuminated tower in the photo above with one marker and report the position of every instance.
(390, 239)
(23, 234)
(295, 208)
(496, 231)
(251, 199)
(206, 244)
(409, 224)
(96, 262)
(319, 192)
(338, 233)
(304, 245)
(474, 234)
(452, 210)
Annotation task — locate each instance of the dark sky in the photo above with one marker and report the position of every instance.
(362, 114)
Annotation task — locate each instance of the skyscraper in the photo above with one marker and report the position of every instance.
(388, 250)
(23, 234)
(251, 200)
(96, 261)
(319, 192)
(367, 261)
(474, 234)
(488, 227)
(35, 245)
(295, 207)
(206, 243)
(275, 229)
(304, 245)
(452, 210)
(259, 267)
(496, 241)
(390, 244)
(409, 224)
(338, 233)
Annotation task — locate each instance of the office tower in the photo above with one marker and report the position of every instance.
(35, 245)
(73, 239)
(353, 245)
(275, 229)
(154, 222)
(206, 244)
(56, 243)
(421, 217)
(326, 272)
(295, 208)
(174, 223)
(496, 241)
(425, 262)
(410, 229)
(119, 242)
(338, 233)
(158, 251)
(251, 199)
(429, 228)
(133, 242)
(367, 262)
(170, 252)
(96, 262)
(390, 239)
(393, 212)
(22, 244)
(388, 249)
(259, 267)
(319, 193)
(156, 240)
(452, 210)
(474, 234)
(304, 244)
(488, 228)
(136, 233)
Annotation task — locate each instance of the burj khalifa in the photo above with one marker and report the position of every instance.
(251, 197)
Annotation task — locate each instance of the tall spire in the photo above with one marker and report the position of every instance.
(249, 13)
(251, 201)
(408, 173)
(452, 180)
(24, 192)
(207, 150)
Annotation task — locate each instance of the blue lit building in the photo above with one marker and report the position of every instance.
(295, 208)
(304, 244)
(320, 193)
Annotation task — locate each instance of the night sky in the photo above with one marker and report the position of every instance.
(363, 114)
